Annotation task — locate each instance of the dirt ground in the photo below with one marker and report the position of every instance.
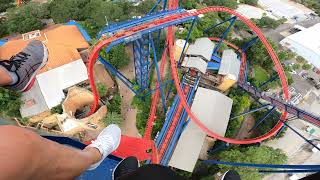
(246, 125)
(102, 76)
(127, 110)
(166, 70)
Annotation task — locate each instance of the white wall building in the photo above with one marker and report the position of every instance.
(305, 43)
(47, 92)
(290, 10)
(207, 107)
(252, 12)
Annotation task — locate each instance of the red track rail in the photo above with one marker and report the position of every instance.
(172, 127)
(105, 42)
(155, 99)
(149, 126)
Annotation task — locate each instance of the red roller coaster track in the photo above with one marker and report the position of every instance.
(170, 40)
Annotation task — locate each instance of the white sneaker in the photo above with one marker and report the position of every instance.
(107, 141)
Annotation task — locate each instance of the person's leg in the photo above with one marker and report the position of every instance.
(5, 78)
(18, 72)
(25, 155)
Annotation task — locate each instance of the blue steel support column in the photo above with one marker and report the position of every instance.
(187, 39)
(158, 72)
(244, 48)
(154, 7)
(307, 140)
(170, 82)
(216, 25)
(280, 131)
(269, 81)
(165, 4)
(247, 45)
(263, 119)
(118, 74)
(168, 119)
(232, 21)
(246, 71)
(180, 127)
(141, 61)
(300, 135)
(170, 90)
(251, 111)
(223, 146)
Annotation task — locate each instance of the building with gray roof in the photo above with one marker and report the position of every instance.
(207, 107)
(230, 64)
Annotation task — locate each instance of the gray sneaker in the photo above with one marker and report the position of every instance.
(26, 64)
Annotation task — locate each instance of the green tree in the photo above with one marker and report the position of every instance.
(5, 4)
(118, 56)
(23, 121)
(241, 102)
(285, 55)
(145, 6)
(90, 26)
(189, 4)
(300, 59)
(57, 109)
(3, 27)
(306, 66)
(113, 118)
(257, 54)
(115, 104)
(251, 2)
(26, 18)
(261, 155)
(267, 22)
(102, 90)
(10, 103)
(207, 21)
(101, 12)
(312, 4)
(196, 33)
(143, 107)
(296, 66)
(62, 11)
(230, 4)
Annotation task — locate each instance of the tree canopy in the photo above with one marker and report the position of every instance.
(312, 4)
(260, 155)
(267, 22)
(146, 6)
(3, 27)
(118, 56)
(230, 4)
(5, 4)
(102, 90)
(9, 103)
(62, 11)
(26, 18)
(115, 104)
(251, 2)
(112, 118)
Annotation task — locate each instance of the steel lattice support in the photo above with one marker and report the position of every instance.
(141, 51)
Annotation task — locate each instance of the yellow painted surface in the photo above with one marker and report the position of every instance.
(227, 83)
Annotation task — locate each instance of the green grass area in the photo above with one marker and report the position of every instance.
(260, 75)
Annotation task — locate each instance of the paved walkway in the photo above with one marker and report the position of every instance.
(246, 125)
(297, 150)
